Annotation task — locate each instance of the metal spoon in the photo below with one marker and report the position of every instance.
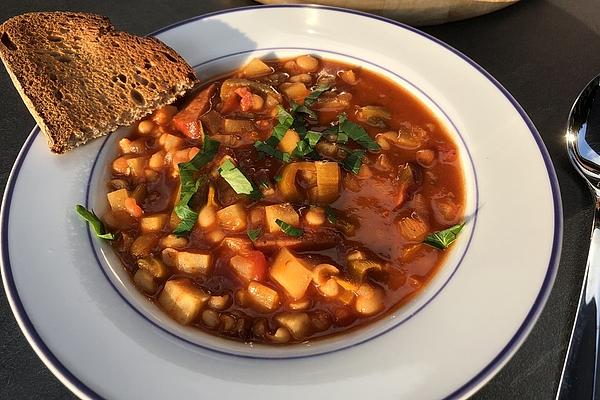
(579, 379)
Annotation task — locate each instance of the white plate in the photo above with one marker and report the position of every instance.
(104, 340)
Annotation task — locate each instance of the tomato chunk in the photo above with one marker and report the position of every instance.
(246, 98)
(187, 121)
(250, 266)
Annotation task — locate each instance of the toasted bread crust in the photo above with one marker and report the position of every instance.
(81, 79)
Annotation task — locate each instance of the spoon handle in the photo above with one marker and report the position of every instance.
(579, 379)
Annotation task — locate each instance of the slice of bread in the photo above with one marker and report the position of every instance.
(81, 79)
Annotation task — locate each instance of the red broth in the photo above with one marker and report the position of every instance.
(351, 246)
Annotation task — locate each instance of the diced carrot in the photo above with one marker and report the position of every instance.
(132, 208)
(246, 98)
(187, 121)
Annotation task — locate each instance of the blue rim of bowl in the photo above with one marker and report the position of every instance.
(405, 83)
(469, 387)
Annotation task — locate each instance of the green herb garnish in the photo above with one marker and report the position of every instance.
(272, 151)
(353, 161)
(356, 133)
(254, 234)
(307, 145)
(314, 94)
(330, 214)
(289, 229)
(442, 239)
(269, 146)
(190, 185)
(95, 223)
(236, 178)
(301, 108)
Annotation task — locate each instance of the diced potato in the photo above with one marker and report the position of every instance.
(369, 300)
(174, 241)
(117, 199)
(315, 216)
(292, 273)
(233, 217)
(284, 212)
(136, 166)
(295, 91)
(289, 141)
(263, 296)
(182, 300)
(193, 263)
(328, 182)
(256, 68)
(349, 77)
(307, 63)
(237, 245)
(154, 266)
(170, 142)
(125, 146)
(145, 281)
(298, 323)
(153, 223)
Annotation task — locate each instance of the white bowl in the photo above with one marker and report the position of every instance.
(81, 314)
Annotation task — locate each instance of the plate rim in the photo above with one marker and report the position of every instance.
(477, 381)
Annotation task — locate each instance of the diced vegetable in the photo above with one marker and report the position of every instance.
(190, 263)
(349, 77)
(219, 302)
(287, 184)
(250, 266)
(307, 63)
(117, 199)
(187, 121)
(406, 180)
(182, 300)
(413, 227)
(360, 268)
(230, 85)
(233, 217)
(284, 212)
(328, 183)
(298, 323)
(263, 296)
(292, 273)
(315, 216)
(256, 68)
(295, 91)
(170, 142)
(289, 141)
(153, 223)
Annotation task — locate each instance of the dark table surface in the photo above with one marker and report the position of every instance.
(542, 51)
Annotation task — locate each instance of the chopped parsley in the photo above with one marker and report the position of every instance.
(356, 133)
(353, 161)
(236, 178)
(190, 185)
(289, 229)
(254, 234)
(442, 239)
(95, 223)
